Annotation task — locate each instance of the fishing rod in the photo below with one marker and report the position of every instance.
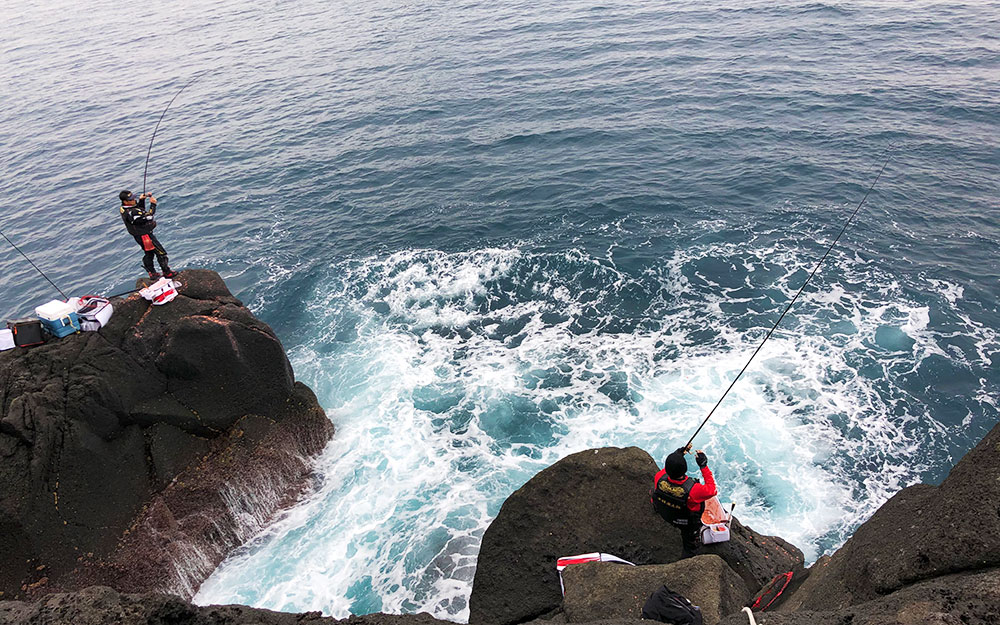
(54, 285)
(157, 128)
(787, 308)
(122, 293)
(145, 169)
(34, 265)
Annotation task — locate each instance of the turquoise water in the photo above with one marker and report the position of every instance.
(490, 235)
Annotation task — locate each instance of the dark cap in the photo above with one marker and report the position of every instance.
(675, 465)
(125, 196)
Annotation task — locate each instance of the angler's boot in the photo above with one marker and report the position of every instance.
(165, 267)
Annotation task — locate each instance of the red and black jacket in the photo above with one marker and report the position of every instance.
(138, 220)
(682, 501)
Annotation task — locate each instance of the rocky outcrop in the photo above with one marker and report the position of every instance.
(140, 456)
(596, 500)
(923, 532)
(103, 606)
(602, 590)
(960, 599)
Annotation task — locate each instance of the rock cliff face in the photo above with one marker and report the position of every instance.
(922, 533)
(140, 456)
(103, 606)
(960, 599)
(929, 556)
(595, 500)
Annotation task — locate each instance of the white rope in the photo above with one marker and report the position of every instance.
(750, 616)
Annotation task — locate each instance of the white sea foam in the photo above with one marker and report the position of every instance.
(472, 371)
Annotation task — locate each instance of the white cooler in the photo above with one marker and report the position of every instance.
(58, 318)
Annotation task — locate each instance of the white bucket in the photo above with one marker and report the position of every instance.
(716, 520)
(717, 533)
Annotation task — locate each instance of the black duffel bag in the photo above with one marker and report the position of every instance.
(667, 606)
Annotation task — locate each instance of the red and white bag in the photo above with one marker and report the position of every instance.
(160, 292)
(94, 312)
(565, 561)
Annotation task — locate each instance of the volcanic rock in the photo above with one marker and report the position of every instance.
(99, 605)
(140, 455)
(961, 599)
(595, 500)
(604, 590)
(921, 533)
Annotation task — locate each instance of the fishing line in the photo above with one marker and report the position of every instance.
(34, 265)
(122, 293)
(157, 128)
(787, 308)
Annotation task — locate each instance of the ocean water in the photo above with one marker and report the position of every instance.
(493, 234)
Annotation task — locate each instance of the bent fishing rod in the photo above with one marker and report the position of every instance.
(791, 303)
(157, 128)
(145, 169)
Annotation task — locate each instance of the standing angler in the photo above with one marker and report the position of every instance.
(140, 223)
(680, 499)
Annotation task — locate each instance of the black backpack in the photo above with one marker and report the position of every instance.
(667, 606)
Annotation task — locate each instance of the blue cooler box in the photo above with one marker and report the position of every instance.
(58, 318)
(64, 326)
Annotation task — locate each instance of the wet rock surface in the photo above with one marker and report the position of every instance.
(127, 459)
(125, 455)
(595, 500)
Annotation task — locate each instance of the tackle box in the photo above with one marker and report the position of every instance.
(26, 332)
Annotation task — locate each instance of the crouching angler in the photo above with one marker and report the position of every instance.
(680, 499)
(139, 221)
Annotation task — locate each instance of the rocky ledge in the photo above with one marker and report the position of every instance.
(598, 500)
(140, 456)
(929, 556)
(99, 605)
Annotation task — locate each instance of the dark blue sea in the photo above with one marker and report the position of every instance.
(491, 234)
